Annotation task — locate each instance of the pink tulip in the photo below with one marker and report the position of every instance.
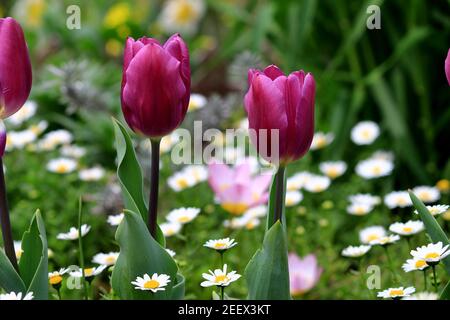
(236, 189)
(303, 273)
(2, 138)
(156, 84)
(275, 101)
(15, 68)
(447, 67)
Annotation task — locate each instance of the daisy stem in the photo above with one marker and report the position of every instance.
(435, 278)
(58, 291)
(221, 258)
(154, 185)
(425, 279)
(80, 249)
(394, 276)
(279, 190)
(5, 222)
(222, 289)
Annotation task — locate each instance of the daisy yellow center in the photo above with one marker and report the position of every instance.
(182, 183)
(56, 279)
(184, 13)
(366, 134)
(184, 219)
(317, 188)
(333, 172)
(396, 292)
(321, 142)
(193, 105)
(151, 284)
(434, 211)
(407, 229)
(360, 210)
(250, 225)
(221, 278)
(432, 255)
(376, 170)
(443, 185)
(401, 201)
(61, 168)
(234, 208)
(220, 245)
(110, 260)
(290, 201)
(425, 196)
(88, 272)
(420, 263)
(372, 237)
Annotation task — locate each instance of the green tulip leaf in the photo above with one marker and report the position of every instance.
(9, 278)
(130, 176)
(33, 265)
(433, 228)
(272, 200)
(141, 254)
(267, 273)
(445, 295)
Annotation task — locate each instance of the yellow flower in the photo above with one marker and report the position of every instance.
(117, 15)
(113, 47)
(443, 185)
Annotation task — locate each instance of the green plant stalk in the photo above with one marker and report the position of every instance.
(154, 186)
(425, 279)
(394, 275)
(433, 267)
(8, 241)
(81, 252)
(279, 190)
(222, 289)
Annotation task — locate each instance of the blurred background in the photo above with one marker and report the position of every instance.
(393, 76)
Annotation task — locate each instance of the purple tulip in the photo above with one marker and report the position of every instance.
(447, 67)
(284, 103)
(2, 138)
(303, 273)
(15, 68)
(156, 84)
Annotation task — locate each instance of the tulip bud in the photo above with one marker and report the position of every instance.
(447, 67)
(15, 68)
(156, 84)
(284, 105)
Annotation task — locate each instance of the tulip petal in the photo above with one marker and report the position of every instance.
(447, 67)
(305, 116)
(273, 72)
(15, 68)
(155, 90)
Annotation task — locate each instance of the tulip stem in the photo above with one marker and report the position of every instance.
(5, 222)
(154, 185)
(279, 190)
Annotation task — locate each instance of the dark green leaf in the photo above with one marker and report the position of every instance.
(9, 278)
(267, 273)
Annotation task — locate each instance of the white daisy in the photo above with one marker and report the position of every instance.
(355, 251)
(246, 221)
(38, 128)
(62, 165)
(408, 228)
(432, 253)
(19, 139)
(18, 249)
(414, 264)
(317, 184)
(166, 144)
(183, 215)
(55, 277)
(88, 272)
(436, 210)
(73, 233)
(365, 199)
(92, 174)
(171, 252)
(427, 194)
(170, 228)
(374, 168)
(256, 212)
(293, 198)
(384, 155)
(371, 233)
(180, 181)
(115, 220)
(297, 181)
(199, 173)
(365, 132)
(396, 293)
(386, 240)
(321, 140)
(16, 296)
(220, 244)
(333, 169)
(397, 199)
(107, 259)
(359, 209)
(155, 283)
(23, 114)
(196, 102)
(423, 296)
(182, 15)
(54, 139)
(72, 151)
(219, 277)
